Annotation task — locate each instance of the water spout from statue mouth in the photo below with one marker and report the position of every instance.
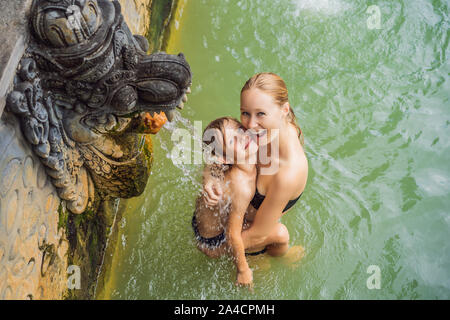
(152, 107)
(144, 118)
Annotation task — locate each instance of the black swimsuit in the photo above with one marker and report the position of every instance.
(214, 242)
(259, 198)
(211, 243)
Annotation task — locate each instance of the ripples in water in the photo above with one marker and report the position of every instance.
(373, 105)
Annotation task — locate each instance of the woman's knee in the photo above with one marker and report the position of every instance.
(281, 234)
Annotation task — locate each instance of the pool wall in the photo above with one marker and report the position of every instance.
(44, 249)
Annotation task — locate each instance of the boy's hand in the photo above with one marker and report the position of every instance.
(213, 193)
(245, 278)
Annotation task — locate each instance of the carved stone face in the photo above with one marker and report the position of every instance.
(64, 23)
(88, 88)
(108, 72)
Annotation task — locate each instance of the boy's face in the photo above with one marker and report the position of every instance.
(239, 144)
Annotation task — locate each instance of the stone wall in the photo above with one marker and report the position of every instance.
(149, 18)
(137, 15)
(14, 36)
(39, 239)
(33, 249)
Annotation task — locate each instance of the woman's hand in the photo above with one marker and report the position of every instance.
(213, 192)
(245, 278)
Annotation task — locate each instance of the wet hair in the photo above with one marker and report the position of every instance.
(275, 86)
(214, 144)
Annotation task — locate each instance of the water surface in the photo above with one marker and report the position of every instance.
(373, 105)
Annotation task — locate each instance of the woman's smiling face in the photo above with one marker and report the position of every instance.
(260, 114)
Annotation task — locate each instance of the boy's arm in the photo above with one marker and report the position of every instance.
(235, 242)
(211, 187)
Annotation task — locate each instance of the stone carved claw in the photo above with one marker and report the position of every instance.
(42, 129)
(85, 91)
(151, 124)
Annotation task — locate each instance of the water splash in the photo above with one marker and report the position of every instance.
(372, 104)
(327, 7)
(190, 171)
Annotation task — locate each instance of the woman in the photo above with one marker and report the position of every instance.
(267, 114)
(218, 228)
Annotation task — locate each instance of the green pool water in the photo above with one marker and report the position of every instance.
(373, 103)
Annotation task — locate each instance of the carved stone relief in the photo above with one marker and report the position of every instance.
(84, 93)
(33, 250)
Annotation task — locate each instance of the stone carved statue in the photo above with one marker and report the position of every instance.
(84, 92)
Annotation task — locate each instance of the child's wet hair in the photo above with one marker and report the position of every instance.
(214, 143)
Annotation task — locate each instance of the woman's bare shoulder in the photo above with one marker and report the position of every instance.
(298, 163)
(293, 174)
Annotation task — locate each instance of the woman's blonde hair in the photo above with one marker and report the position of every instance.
(275, 86)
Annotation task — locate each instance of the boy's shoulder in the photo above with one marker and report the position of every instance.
(242, 184)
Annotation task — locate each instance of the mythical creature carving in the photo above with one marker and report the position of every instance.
(85, 91)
